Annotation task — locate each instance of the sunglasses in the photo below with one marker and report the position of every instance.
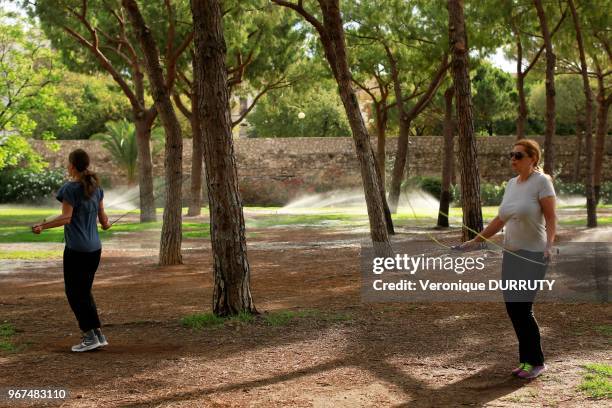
(516, 155)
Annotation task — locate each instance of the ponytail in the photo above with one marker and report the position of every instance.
(90, 182)
(88, 179)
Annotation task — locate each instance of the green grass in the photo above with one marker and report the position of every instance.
(243, 317)
(7, 331)
(16, 234)
(597, 381)
(306, 220)
(14, 255)
(201, 320)
(284, 317)
(605, 329)
(581, 222)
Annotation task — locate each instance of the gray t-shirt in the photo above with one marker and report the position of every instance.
(521, 211)
(82, 233)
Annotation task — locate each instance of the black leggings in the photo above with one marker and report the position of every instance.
(79, 271)
(519, 304)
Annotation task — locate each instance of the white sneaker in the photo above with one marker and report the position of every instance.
(101, 337)
(89, 342)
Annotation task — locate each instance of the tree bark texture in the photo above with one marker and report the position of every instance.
(588, 122)
(470, 177)
(231, 292)
(448, 158)
(171, 236)
(549, 153)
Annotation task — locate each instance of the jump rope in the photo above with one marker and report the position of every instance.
(126, 201)
(429, 235)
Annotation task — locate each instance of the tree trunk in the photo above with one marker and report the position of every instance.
(588, 122)
(447, 161)
(195, 202)
(381, 128)
(578, 151)
(401, 153)
(549, 154)
(400, 166)
(602, 129)
(470, 178)
(331, 33)
(145, 169)
(521, 119)
(170, 244)
(231, 292)
(335, 51)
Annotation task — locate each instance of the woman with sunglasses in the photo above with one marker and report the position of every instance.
(528, 213)
(82, 203)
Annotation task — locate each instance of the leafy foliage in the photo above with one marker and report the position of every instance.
(120, 141)
(27, 186)
(29, 74)
(279, 113)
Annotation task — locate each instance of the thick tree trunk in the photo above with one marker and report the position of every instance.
(231, 292)
(170, 244)
(447, 160)
(145, 169)
(588, 122)
(470, 178)
(195, 202)
(603, 107)
(549, 153)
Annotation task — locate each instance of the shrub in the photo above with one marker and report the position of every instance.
(566, 188)
(492, 193)
(27, 186)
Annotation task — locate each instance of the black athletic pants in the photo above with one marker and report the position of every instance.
(519, 303)
(79, 271)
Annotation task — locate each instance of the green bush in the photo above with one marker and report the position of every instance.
(27, 186)
(566, 188)
(492, 193)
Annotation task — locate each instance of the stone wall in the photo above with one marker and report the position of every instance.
(274, 171)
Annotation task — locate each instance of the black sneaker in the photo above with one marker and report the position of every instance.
(89, 342)
(101, 337)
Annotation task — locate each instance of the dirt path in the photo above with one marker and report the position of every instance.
(340, 353)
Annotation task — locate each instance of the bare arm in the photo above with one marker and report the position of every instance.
(102, 217)
(548, 209)
(493, 228)
(60, 221)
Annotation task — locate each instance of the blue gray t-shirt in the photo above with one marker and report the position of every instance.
(82, 232)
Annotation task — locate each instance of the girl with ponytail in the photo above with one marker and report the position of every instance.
(82, 206)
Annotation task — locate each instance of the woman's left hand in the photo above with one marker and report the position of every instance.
(37, 229)
(548, 255)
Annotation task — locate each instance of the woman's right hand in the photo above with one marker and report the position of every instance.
(471, 245)
(37, 229)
